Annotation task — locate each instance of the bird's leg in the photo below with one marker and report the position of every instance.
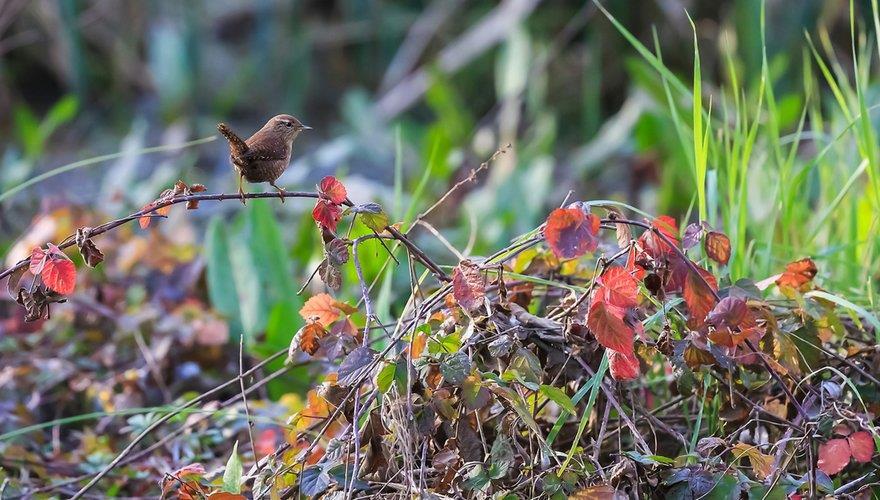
(280, 190)
(240, 190)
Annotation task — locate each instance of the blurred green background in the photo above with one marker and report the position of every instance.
(406, 97)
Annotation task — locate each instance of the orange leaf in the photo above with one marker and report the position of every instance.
(332, 189)
(607, 324)
(418, 345)
(623, 366)
(571, 233)
(619, 287)
(225, 495)
(861, 444)
(798, 274)
(468, 285)
(699, 297)
(59, 274)
(327, 214)
(321, 308)
(833, 456)
(718, 247)
(308, 337)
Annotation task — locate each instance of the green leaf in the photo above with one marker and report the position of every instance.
(525, 368)
(372, 215)
(477, 479)
(446, 344)
(221, 286)
(456, 367)
(385, 377)
(559, 397)
(501, 458)
(473, 394)
(234, 471)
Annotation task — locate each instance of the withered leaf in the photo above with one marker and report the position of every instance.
(468, 285)
(87, 248)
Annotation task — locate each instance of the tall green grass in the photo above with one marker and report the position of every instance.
(785, 175)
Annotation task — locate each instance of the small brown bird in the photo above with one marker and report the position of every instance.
(266, 154)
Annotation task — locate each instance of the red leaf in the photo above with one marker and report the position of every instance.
(718, 247)
(699, 297)
(623, 366)
(861, 444)
(729, 312)
(58, 272)
(798, 273)
(833, 456)
(607, 324)
(332, 189)
(468, 285)
(571, 233)
(327, 214)
(620, 287)
(653, 244)
(38, 260)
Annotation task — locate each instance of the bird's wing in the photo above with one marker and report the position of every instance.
(237, 146)
(253, 154)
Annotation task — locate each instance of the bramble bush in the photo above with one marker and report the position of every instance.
(596, 356)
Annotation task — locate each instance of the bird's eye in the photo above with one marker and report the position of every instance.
(288, 124)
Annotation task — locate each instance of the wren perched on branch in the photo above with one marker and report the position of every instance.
(266, 154)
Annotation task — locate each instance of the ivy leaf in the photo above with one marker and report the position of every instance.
(468, 285)
(234, 471)
(332, 189)
(623, 366)
(861, 444)
(326, 214)
(559, 397)
(717, 247)
(607, 324)
(834, 455)
(619, 287)
(354, 365)
(571, 233)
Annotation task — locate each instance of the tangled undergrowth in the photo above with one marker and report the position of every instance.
(597, 356)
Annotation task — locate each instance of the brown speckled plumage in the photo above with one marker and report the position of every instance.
(265, 155)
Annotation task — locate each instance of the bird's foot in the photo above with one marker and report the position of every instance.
(243, 199)
(281, 192)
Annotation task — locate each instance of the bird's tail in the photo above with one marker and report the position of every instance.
(236, 145)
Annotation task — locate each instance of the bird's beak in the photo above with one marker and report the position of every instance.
(306, 127)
